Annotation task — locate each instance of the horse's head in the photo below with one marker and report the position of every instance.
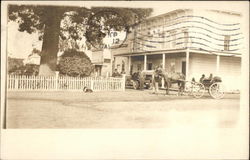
(160, 71)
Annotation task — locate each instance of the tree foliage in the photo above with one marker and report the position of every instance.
(33, 18)
(75, 63)
(105, 19)
(65, 23)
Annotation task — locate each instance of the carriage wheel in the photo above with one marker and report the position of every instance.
(216, 90)
(198, 90)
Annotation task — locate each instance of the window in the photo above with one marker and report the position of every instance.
(123, 65)
(166, 40)
(173, 38)
(185, 38)
(163, 43)
(226, 42)
(150, 66)
(138, 67)
(107, 60)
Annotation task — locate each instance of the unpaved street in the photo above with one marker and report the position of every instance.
(129, 109)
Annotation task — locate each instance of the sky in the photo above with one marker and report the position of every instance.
(20, 44)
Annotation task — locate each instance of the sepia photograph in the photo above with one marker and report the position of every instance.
(128, 65)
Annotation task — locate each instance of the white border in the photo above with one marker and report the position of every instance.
(169, 143)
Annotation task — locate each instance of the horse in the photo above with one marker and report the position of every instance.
(171, 78)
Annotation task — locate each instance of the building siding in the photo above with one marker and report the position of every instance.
(205, 34)
(187, 29)
(202, 64)
(230, 71)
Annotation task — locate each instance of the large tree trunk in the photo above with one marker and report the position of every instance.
(50, 42)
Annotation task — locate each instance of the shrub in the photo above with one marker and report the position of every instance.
(75, 63)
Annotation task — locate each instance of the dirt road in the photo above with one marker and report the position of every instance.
(129, 109)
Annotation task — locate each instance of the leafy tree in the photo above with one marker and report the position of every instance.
(47, 21)
(75, 63)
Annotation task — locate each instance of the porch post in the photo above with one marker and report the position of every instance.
(129, 64)
(217, 64)
(145, 62)
(163, 67)
(111, 63)
(187, 64)
(163, 61)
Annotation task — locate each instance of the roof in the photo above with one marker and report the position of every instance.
(181, 50)
(166, 14)
(226, 12)
(186, 9)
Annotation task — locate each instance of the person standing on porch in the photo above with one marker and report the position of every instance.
(115, 74)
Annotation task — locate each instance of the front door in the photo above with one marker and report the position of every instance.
(150, 66)
(183, 67)
(98, 70)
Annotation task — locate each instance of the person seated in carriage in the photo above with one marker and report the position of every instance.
(193, 79)
(202, 78)
(210, 79)
(213, 79)
(206, 80)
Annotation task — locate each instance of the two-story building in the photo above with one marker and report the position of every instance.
(101, 59)
(193, 42)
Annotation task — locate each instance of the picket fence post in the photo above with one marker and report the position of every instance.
(57, 77)
(92, 83)
(16, 82)
(123, 81)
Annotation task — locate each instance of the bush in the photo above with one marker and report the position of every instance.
(28, 69)
(14, 64)
(74, 63)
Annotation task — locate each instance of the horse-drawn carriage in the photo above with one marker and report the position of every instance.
(214, 87)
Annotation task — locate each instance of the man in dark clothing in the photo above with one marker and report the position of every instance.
(202, 78)
(115, 74)
(141, 80)
(210, 78)
(156, 81)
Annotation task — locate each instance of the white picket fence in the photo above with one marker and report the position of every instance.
(56, 83)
